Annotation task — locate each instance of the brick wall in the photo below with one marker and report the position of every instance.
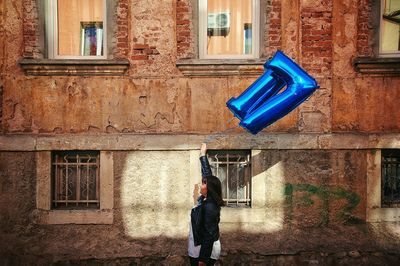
(273, 28)
(31, 32)
(122, 30)
(364, 47)
(316, 43)
(184, 29)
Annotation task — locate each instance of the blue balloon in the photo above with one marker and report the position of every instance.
(264, 87)
(259, 105)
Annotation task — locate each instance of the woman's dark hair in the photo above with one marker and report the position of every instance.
(214, 189)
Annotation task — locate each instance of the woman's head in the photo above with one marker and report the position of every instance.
(211, 188)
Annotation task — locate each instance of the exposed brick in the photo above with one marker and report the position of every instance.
(184, 9)
(184, 28)
(272, 33)
(140, 46)
(182, 22)
(30, 30)
(140, 57)
(316, 42)
(122, 22)
(363, 33)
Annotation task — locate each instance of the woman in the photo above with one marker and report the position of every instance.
(204, 245)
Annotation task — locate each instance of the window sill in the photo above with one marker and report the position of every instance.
(75, 217)
(221, 67)
(76, 67)
(383, 215)
(370, 65)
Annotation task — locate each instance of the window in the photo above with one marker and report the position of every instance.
(383, 185)
(76, 29)
(229, 29)
(233, 168)
(390, 28)
(74, 187)
(75, 180)
(390, 178)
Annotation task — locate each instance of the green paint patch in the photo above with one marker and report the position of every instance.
(325, 194)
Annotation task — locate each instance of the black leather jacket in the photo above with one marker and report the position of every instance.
(205, 219)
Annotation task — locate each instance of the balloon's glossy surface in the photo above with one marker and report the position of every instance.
(259, 105)
(263, 88)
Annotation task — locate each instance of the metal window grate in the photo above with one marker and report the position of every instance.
(233, 168)
(75, 179)
(390, 178)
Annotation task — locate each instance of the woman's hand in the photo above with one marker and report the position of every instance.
(201, 263)
(203, 149)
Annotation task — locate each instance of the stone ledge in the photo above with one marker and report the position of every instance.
(369, 65)
(76, 67)
(75, 217)
(221, 67)
(383, 215)
(128, 142)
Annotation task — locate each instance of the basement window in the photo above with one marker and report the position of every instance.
(390, 185)
(233, 168)
(75, 180)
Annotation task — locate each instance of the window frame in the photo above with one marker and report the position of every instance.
(247, 201)
(47, 215)
(202, 36)
(380, 51)
(375, 212)
(52, 33)
(392, 154)
(79, 205)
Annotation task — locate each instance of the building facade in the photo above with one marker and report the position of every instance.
(104, 105)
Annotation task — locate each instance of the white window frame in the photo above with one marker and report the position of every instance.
(381, 52)
(203, 33)
(52, 33)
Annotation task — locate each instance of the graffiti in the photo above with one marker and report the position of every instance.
(326, 195)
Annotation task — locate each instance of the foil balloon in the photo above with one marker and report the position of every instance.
(260, 104)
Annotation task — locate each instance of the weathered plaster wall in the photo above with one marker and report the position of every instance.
(322, 36)
(154, 97)
(312, 200)
(359, 102)
(2, 55)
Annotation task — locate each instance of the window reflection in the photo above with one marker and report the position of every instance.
(390, 27)
(229, 27)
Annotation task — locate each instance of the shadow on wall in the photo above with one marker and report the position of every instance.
(310, 200)
(308, 203)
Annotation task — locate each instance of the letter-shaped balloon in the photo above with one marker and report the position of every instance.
(260, 105)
